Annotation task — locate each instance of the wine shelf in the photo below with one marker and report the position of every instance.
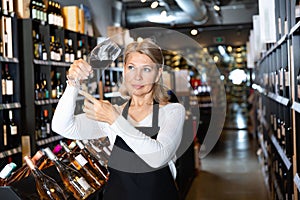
(10, 106)
(10, 152)
(280, 151)
(47, 71)
(278, 115)
(49, 140)
(9, 60)
(51, 63)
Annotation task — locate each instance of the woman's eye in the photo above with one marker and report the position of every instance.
(147, 69)
(130, 67)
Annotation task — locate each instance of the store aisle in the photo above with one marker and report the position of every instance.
(231, 171)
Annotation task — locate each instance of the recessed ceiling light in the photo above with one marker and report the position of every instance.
(217, 8)
(194, 32)
(154, 4)
(163, 13)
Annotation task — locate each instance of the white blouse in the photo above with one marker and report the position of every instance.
(155, 152)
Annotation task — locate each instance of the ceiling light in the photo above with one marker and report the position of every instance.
(229, 49)
(143, 1)
(194, 32)
(217, 8)
(163, 13)
(154, 4)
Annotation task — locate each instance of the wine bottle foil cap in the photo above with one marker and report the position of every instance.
(49, 153)
(6, 171)
(80, 145)
(72, 145)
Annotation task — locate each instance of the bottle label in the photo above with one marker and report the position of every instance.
(81, 160)
(48, 128)
(72, 57)
(4, 135)
(79, 54)
(33, 13)
(287, 80)
(52, 55)
(67, 57)
(9, 87)
(83, 183)
(3, 87)
(13, 130)
(44, 55)
(50, 19)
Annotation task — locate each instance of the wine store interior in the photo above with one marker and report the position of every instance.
(233, 65)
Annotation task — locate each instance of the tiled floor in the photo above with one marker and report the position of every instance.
(231, 171)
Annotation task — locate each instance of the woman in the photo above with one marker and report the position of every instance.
(145, 132)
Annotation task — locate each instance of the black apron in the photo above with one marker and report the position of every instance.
(136, 180)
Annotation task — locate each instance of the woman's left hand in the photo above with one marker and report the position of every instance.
(99, 110)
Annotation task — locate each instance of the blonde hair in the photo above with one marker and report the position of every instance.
(154, 52)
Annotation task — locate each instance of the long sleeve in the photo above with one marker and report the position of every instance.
(159, 151)
(72, 126)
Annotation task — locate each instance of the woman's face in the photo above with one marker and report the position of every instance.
(140, 74)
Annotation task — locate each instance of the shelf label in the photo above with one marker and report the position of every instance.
(297, 181)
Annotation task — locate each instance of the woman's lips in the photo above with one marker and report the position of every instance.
(137, 86)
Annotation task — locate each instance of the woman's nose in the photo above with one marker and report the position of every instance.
(138, 75)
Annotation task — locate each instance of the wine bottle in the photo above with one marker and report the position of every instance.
(45, 89)
(53, 85)
(33, 8)
(43, 53)
(46, 186)
(43, 126)
(24, 171)
(5, 130)
(103, 171)
(79, 162)
(71, 51)
(53, 51)
(59, 85)
(47, 122)
(13, 138)
(71, 178)
(297, 11)
(79, 49)
(50, 13)
(84, 51)
(67, 51)
(8, 85)
(7, 170)
(35, 44)
(58, 47)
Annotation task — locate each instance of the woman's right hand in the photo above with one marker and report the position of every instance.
(79, 70)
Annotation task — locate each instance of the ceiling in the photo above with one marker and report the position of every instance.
(230, 26)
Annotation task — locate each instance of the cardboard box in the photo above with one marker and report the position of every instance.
(22, 8)
(81, 21)
(71, 18)
(116, 33)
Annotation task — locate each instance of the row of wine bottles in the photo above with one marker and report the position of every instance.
(283, 133)
(43, 125)
(56, 49)
(47, 13)
(43, 91)
(81, 173)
